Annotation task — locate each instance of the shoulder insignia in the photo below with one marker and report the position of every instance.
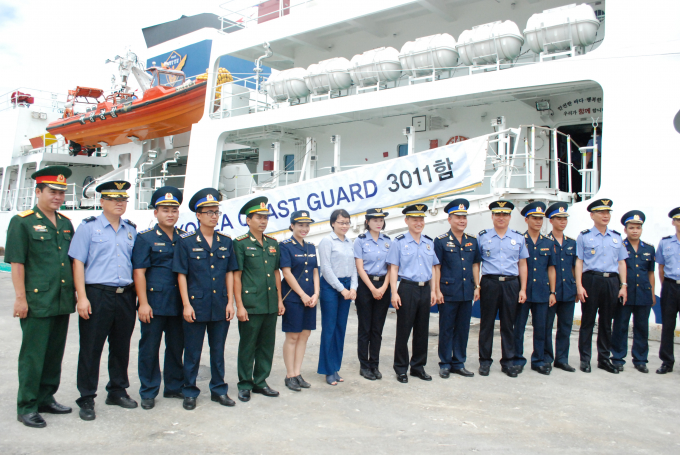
(470, 235)
(180, 231)
(242, 237)
(130, 223)
(482, 232)
(310, 243)
(400, 236)
(585, 231)
(223, 234)
(270, 237)
(516, 232)
(667, 237)
(428, 238)
(145, 231)
(387, 237)
(285, 241)
(567, 238)
(62, 214)
(188, 234)
(26, 213)
(89, 218)
(443, 236)
(361, 236)
(616, 232)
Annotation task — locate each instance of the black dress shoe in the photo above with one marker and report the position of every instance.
(421, 374)
(444, 373)
(266, 391)
(565, 367)
(189, 403)
(543, 369)
(510, 371)
(33, 420)
(484, 370)
(244, 395)
(123, 402)
(302, 383)
(642, 368)
(54, 408)
(87, 411)
(607, 366)
(402, 378)
(463, 372)
(292, 384)
(665, 369)
(618, 367)
(148, 403)
(224, 400)
(376, 373)
(179, 395)
(585, 367)
(368, 374)
(519, 369)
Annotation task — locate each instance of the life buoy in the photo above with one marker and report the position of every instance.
(455, 139)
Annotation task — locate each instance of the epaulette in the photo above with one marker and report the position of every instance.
(615, 232)
(223, 234)
(443, 236)
(470, 235)
(362, 236)
(270, 237)
(145, 231)
(567, 238)
(310, 243)
(89, 218)
(516, 232)
(285, 241)
(26, 213)
(130, 223)
(61, 214)
(428, 238)
(180, 231)
(188, 234)
(400, 236)
(585, 231)
(242, 237)
(667, 237)
(482, 232)
(387, 237)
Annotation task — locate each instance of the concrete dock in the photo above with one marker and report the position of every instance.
(562, 413)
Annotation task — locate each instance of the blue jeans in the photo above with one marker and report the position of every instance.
(334, 312)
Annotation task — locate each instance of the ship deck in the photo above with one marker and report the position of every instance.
(564, 412)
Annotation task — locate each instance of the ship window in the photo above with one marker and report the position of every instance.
(289, 163)
(402, 149)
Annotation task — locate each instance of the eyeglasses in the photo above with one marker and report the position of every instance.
(341, 224)
(211, 213)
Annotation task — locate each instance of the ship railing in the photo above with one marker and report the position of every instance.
(61, 149)
(144, 193)
(240, 96)
(241, 14)
(43, 100)
(261, 181)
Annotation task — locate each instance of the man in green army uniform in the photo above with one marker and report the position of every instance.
(37, 247)
(257, 291)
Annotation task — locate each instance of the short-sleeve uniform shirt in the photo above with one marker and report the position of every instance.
(668, 255)
(258, 263)
(500, 256)
(456, 259)
(415, 260)
(373, 253)
(600, 253)
(206, 269)
(32, 240)
(301, 258)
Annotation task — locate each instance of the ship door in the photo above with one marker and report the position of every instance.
(580, 137)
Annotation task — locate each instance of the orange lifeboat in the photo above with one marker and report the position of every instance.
(170, 106)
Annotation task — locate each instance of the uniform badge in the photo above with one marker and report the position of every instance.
(39, 228)
(513, 242)
(210, 197)
(159, 244)
(468, 244)
(272, 249)
(37, 215)
(130, 235)
(615, 241)
(250, 248)
(387, 245)
(428, 247)
(197, 249)
(158, 232)
(646, 254)
(198, 239)
(223, 248)
(592, 251)
(488, 253)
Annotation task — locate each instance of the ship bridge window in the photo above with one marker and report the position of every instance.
(402, 149)
(166, 78)
(289, 163)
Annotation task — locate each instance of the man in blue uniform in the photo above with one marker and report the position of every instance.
(457, 279)
(565, 289)
(641, 298)
(412, 259)
(101, 250)
(205, 262)
(600, 278)
(503, 286)
(668, 258)
(160, 305)
(540, 289)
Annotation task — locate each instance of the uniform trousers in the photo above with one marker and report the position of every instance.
(371, 315)
(113, 318)
(497, 297)
(565, 321)
(454, 329)
(334, 312)
(640, 349)
(256, 350)
(539, 315)
(412, 315)
(42, 350)
(602, 298)
(670, 306)
(194, 333)
(149, 365)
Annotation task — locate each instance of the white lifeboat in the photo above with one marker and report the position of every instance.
(328, 76)
(374, 66)
(287, 85)
(486, 44)
(554, 29)
(427, 54)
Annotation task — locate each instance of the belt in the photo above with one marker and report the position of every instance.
(501, 277)
(665, 279)
(415, 283)
(376, 277)
(116, 289)
(604, 274)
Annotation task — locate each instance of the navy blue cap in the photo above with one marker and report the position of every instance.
(300, 216)
(534, 209)
(458, 206)
(376, 213)
(114, 189)
(204, 198)
(634, 216)
(600, 204)
(415, 210)
(675, 213)
(501, 206)
(558, 209)
(168, 196)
